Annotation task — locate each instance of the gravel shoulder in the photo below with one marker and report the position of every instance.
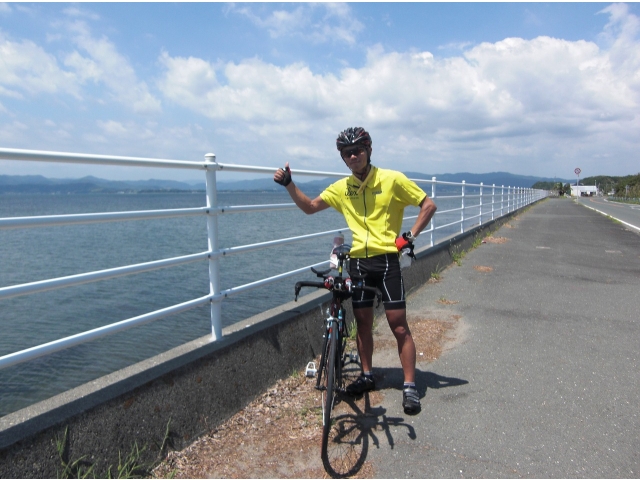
(278, 434)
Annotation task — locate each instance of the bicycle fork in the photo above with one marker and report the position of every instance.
(331, 326)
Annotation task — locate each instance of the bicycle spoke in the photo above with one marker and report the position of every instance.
(345, 447)
(342, 438)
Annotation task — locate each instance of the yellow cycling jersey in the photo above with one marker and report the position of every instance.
(374, 213)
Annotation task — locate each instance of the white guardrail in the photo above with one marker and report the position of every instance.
(503, 200)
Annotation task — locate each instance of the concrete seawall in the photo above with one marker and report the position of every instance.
(169, 400)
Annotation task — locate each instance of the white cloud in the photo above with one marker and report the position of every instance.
(28, 69)
(80, 13)
(106, 65)
(455, 46)
(540, 100)
(254, 91)
(13, 132)
(126, 130)
(113, 128)
(187, 80)
(621, 33)
(527, 106)
(316, 23)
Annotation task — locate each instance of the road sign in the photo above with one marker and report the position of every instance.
(577, 171)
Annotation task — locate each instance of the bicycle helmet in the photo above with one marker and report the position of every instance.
(353, 136)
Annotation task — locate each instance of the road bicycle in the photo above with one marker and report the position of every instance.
(335, 433)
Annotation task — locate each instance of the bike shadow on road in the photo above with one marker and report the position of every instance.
(361, 423)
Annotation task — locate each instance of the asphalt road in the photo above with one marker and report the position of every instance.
(625, 212)
(544, 380)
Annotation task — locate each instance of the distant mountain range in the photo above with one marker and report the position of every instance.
(40, 184)
(37, 184)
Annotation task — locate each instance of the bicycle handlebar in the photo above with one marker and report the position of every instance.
(299, 286)
(344, 287)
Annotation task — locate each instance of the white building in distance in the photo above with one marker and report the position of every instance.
(584, 190)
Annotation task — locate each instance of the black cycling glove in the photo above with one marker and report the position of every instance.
(286, 179)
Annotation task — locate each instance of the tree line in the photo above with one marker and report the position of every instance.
(628, 186)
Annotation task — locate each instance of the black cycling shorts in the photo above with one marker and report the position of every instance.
(382, 271)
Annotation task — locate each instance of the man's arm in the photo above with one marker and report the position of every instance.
(427, 211)
(303, 202)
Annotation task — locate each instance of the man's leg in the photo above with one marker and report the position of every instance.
(406, 348)
(364, 338)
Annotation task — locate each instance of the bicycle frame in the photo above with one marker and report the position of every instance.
(329, 378)
(335, 325)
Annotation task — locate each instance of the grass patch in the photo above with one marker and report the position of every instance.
(457, 255)
(78, 468)
(129, 466)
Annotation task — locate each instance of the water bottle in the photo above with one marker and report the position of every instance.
(337, 241)
(405, 259)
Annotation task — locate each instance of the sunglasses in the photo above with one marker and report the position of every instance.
(347, 152)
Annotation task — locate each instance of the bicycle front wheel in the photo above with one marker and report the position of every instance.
(328, 391)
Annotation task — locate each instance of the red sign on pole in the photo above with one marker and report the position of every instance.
(577, 171)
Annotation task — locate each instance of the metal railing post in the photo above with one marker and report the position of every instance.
(520, 197)
(481, 185)
(462, 208)
(493, 200)
(212, 233)
(433, 219)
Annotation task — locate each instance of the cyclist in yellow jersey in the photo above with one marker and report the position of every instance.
(372, 201)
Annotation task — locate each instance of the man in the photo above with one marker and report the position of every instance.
(372, 201)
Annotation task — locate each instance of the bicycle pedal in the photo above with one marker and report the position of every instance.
(353, 356)
(311, 369)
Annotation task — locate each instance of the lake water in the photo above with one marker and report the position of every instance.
(34, 254)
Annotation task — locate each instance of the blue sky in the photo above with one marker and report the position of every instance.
(527, 88)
